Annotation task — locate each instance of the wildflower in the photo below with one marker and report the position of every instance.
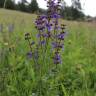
(40, 23)
(61, 35)
(56, 45)
(49, 27)
(38, 35)
(56, 15)
(58, 28)
(49, 30)
(43, 42)
(45, 35)
(57, 58)
(32, 43)
(29, 55)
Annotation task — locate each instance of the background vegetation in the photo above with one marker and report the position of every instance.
(73, 12)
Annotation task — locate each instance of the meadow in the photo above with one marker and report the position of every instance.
(18, 77)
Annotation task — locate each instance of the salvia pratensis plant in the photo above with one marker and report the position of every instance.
(50, 35)
(48, 28)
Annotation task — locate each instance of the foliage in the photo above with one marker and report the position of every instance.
(1, 3)
(33, 6)
(22, 6)
(71, 13)
(10, 4)
(76, 4)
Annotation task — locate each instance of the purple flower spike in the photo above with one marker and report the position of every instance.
(48, 28)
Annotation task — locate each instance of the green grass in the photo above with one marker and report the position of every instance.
(77, 74)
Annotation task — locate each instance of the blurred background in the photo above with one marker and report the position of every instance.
(70, 10)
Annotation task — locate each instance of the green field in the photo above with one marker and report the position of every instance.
(77, 73)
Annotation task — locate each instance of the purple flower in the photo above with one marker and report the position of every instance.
(43, 17)
(45, 35)
(57, 58)
(58, 28)
(56, 16)
(38, 35)
(43, 42)
(29, 55)
(41, 22)
(54, 45)
(49, 27)
(61, 35)
(57, 45)
(32, 43)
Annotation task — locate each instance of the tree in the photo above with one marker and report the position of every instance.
(22, 6)
(33, 6)
(2, 3)
(9, 4)
(77, 10)
(73, 12)
(76, 4)
(77, 14)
